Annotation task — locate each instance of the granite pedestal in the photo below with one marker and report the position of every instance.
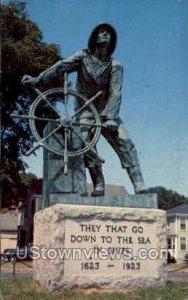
(100, 245)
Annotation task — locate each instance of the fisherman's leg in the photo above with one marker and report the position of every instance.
(95, 170)
(127, 154)
(93, 163)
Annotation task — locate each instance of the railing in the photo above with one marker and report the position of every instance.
(12, 268)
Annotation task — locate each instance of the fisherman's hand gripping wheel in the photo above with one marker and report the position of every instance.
(56, 107)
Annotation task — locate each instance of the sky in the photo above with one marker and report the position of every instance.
(153, 49)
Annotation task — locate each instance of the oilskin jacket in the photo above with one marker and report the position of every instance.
(93, 75)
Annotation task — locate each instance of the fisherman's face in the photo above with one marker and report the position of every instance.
(103, 35)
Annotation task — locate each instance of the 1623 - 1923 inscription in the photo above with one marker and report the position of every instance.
(106, 245)
(96, 265)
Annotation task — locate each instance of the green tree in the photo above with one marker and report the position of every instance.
(27, 178)
(23, 52)
(168, 198)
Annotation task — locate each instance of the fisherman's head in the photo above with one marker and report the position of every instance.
(103, 33)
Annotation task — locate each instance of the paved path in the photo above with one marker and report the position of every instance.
(179, 273)
(178, 276)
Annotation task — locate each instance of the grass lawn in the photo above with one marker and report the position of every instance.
(23, 289)
(20, 266)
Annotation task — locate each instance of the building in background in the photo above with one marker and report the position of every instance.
(177, 231)
(9, 228)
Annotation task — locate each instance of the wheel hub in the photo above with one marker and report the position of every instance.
(66, 121)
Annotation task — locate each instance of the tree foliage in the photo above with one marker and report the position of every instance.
(23, 52)
(168, 198)
(27, 178)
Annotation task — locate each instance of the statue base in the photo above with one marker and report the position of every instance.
(106, 247)
(140, 200)
(55, 181)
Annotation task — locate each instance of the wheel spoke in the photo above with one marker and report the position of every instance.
(91, 149)
(65, 93)
(59, 141)
(88, 102)
(35, 118)
(46, 100)
(66, 152)
(40, 143)
(89, 124)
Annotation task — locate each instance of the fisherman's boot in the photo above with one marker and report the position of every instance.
(136, 178)
(133, 168)
(98, 181)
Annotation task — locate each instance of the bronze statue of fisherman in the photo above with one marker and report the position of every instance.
(98, 71)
